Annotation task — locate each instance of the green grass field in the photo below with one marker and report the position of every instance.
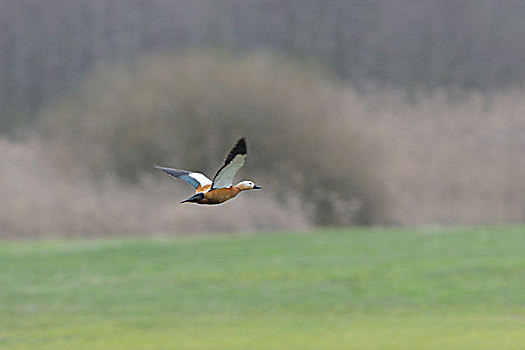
(332, 289)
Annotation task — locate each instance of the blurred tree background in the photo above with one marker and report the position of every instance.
(357, 112)
(46, 47)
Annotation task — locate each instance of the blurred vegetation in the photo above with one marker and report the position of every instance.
(412, 44)
(187, 110)
(356, 150)
(448, 162)
(49, 194)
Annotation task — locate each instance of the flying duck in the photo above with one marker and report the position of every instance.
(221, 188)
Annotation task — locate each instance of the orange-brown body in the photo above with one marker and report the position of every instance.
(206, 195)
(219, 195)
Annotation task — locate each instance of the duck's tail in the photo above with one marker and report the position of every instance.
(196, 198)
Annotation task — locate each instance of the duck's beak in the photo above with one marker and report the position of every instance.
(255, 187)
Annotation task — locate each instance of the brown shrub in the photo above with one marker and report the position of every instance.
(43, 198)
(186, 111)
(456, 161)
(317, 149)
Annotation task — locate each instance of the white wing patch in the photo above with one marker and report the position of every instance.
(203, 180)
(224, 177)
(193, 178)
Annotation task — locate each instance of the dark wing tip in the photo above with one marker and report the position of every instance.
(239, 148)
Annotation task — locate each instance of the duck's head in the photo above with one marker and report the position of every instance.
(247, 185)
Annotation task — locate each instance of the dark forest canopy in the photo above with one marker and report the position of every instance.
(46, 47)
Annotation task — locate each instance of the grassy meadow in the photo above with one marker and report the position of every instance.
(326, 289)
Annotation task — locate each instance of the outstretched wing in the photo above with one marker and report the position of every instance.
(234, 161)
(195, 179)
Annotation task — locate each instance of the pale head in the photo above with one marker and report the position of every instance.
(247, 185)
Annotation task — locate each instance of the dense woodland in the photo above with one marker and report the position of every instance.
(46, 47)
